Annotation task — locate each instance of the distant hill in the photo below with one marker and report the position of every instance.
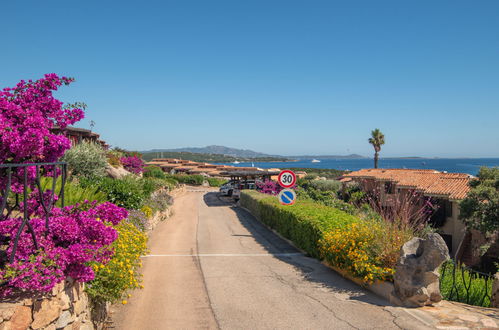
(218, 150)
(238, 154)
(207, 158)
(352, 156)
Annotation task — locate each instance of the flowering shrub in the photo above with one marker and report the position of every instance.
(78, 235)
(133, 164)
(268, 187)
(356, 248)
(121, 273)
(28, 112)
(139, 220)
(367, 248)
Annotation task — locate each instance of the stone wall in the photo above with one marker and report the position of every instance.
(66, 307)
(494, 301)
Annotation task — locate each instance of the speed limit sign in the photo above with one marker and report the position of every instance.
(287, 179)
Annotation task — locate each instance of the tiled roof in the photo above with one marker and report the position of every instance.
(431, 182)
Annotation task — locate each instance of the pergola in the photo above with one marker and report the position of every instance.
(249, 175)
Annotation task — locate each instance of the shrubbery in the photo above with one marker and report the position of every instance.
(152, 171)
(121, 273)
(215, 182)
(366, 247)
(86, 159)
(195, 180)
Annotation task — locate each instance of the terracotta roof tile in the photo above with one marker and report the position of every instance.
(432, 182)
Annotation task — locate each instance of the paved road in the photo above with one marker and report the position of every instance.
(213, 266)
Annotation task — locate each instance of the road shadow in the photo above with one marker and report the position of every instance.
(214, 199)
(310, 268)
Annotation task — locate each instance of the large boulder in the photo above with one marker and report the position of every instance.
(416, 277)
(116, 172)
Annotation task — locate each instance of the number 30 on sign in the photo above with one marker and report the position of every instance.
(287, 179)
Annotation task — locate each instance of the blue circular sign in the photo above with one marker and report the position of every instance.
(287, 197)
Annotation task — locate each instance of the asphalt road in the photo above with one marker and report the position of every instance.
(213, 266)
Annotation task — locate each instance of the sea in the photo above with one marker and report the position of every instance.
(454, 165)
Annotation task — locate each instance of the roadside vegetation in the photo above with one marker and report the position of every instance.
(364, 245)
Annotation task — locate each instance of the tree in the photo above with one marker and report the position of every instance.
(377, 139)
(480, 209)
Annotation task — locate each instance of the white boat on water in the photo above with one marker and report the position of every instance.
(236, 162)
(315, 161)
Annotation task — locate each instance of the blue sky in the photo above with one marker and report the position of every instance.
(281, 77)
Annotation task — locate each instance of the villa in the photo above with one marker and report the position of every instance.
(445, 190)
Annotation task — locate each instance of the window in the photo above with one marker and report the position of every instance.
(389, 188)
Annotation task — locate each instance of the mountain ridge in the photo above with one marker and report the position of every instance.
(247, 153)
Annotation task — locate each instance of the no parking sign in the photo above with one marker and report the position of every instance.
(287, 197)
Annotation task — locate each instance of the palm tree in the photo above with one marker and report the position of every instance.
(377, 139)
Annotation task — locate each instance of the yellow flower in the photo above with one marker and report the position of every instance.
(124, 302)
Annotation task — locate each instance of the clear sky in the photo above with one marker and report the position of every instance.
(281, 77)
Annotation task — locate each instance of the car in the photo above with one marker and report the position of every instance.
(228, 188)
(248, 184)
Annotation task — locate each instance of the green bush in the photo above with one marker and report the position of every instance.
(73, 192)
(195, 180)
(127, 192)
(215, 182)
(86, 160)
(477, 286)
(303, 223)
(154, 172)
(326, 185)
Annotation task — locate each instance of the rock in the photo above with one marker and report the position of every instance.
(494, 300)
(65, 319)
(416, 277)
(81, 305)
(116, 172)
(50, 327)
(59, 287)
(76, 325)
(45, 312)
(21, 319)
(6, 326)
(86, 326)
(6, 311)
(64, 300)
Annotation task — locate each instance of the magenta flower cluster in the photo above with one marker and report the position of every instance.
(268, 187)
(133, 164)
(28, 112)
(78, 236)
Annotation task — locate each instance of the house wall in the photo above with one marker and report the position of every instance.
(455, 227)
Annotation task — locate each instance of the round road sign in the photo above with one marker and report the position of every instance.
(287, 197)
(287, 179)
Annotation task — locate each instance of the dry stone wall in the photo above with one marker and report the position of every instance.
(66, 307)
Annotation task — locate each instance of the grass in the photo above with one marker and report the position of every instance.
(466, 286)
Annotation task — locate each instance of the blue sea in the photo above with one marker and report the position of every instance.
(456, 165)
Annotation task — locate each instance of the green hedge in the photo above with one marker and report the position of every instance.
(303, 223)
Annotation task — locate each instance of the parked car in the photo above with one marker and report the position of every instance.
(249, 184)
(228, 188)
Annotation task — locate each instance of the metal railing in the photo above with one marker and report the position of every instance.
(14, 203)
(464, 284)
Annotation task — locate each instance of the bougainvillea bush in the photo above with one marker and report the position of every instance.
(133, 164)
(78, 236)
(66, 241)
(28, 112)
